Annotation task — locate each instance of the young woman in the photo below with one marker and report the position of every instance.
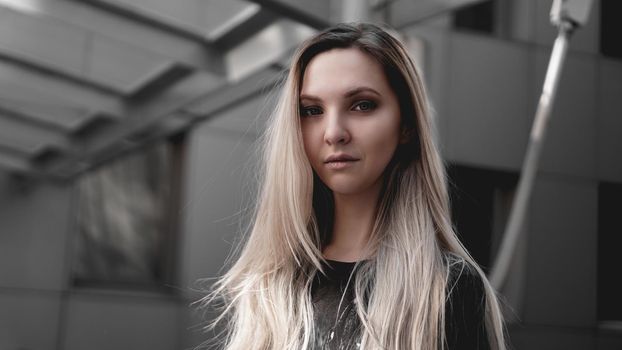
(352, 246)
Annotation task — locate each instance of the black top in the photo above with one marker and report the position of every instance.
(464, 309)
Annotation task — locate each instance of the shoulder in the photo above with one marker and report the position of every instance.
(465, 307)
(463, 281)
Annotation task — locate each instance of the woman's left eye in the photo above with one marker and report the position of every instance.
(365, 105)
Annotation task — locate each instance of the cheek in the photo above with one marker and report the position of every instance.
(310, 143)
(382, 145)
(383, 151)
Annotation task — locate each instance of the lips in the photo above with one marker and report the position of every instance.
(340, 157)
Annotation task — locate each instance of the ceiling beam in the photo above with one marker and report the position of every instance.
(8, 55)
(13, 162)
(23, 90)
(222, 99)
(75, 54)
(138, 16)
(142, 119)
(315, 14)
(265, 48)
(178, 109)
(112, 26)
(245, 29)
(61, 119)
(158, 80)
(165, 119)
(404, 13)
(29, 137)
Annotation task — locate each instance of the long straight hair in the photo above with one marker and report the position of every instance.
(400, 293)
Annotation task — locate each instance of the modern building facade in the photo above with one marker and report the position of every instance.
(128, 132)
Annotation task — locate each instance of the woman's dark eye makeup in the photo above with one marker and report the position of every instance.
(360, 106)
(364, 105)
(309, 111)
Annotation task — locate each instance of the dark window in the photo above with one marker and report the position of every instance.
(127, 220)
(480, 202)
(478, 17)
(610, 28)
(609, 245)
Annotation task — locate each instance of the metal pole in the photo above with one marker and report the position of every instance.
(530, 165)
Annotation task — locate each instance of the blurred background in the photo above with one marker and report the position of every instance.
(128, 134)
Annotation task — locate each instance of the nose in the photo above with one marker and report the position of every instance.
(336, 131)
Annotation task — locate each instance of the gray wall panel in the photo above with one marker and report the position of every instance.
(28, 320)
(436, 58)
(109, 322)
(551, 338)
(561, 276)
(36, 220)
(609, 341)
(488, 99)
(570, 146)
(609, 121)
(217, 191)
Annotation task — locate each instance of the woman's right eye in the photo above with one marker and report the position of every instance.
(310, 111)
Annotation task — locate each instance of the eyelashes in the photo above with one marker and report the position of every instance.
(310, 111)
(365, 105)
(359, 106)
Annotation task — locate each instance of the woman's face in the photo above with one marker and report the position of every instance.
(348, 110)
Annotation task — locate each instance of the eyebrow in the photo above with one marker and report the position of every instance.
(349, 93)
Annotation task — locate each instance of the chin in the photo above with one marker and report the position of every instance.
(345, 187)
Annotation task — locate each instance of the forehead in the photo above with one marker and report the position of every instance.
(338, 70)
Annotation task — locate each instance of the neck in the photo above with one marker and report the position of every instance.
(353, 222)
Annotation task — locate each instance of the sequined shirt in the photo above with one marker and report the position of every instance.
(337, 327)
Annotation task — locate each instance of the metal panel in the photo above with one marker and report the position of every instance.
(232, 94)
(43, 40)
(193, 18)
(28, 319)
(71, 51)
(265, 47)
(144, 120)
(176, 110)
(203, 19)
(25, 90)
(315, 14)
(499, 109)
(115, 48)
(114, 322)
(407, 12)
(121, 65)
(61, 117)
(240, 28)
(570, 146)
(28, 137)
(562, 245)
(12, 161)
(150, 37)
(609, 120)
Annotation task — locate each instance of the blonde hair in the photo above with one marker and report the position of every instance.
(400, 293)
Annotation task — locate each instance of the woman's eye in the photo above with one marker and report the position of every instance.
(365, 106)
(309, 111)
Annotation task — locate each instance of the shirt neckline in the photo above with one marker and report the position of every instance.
(341, 262)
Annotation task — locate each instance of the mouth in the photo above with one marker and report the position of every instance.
(340, 161)
(340, 158)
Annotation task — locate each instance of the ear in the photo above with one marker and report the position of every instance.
(405, 135)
